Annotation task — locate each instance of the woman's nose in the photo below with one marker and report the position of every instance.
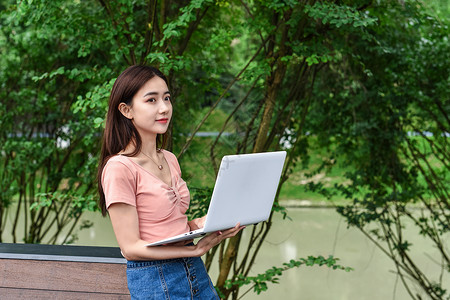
(164, 107)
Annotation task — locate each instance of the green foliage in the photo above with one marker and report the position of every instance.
(373, 104)
(48, 148)
(339, 15)
(272, 275)
(200, 198)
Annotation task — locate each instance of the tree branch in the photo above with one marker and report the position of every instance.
(236, 78)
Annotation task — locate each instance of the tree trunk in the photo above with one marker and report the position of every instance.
(273, 84)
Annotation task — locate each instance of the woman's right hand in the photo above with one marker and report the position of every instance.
(216, 238)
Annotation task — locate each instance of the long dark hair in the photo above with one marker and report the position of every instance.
(119, 130)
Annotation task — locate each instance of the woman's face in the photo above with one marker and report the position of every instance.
(151, 108)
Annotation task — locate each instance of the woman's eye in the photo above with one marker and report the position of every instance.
(151, 100)
(167, 98)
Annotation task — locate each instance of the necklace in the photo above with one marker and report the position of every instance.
(160, 167)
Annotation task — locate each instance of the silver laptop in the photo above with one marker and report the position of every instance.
(244, 193)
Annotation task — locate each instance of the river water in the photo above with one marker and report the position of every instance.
(313, 231)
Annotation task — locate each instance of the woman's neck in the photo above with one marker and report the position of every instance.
(148, 147)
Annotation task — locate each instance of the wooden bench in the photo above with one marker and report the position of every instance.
(61, 272)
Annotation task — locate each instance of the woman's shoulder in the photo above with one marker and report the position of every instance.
(172, 159)
(120, 171)
(169, 155)
(120, 162)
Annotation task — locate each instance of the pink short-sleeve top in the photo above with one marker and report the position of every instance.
(161, 208)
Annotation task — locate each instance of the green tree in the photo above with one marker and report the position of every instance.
(385, 110)
(71, 51)
(346, 73)
(46, 149)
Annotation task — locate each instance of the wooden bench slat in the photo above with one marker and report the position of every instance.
(14, 294)
(63, 276)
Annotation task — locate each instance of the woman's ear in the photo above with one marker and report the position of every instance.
(125, 109)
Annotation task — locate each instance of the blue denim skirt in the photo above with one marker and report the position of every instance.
(181, 278)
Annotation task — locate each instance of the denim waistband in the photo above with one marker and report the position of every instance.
(148, 263)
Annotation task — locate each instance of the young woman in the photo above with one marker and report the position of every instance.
(141, 189)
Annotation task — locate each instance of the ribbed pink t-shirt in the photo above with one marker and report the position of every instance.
(161, 208)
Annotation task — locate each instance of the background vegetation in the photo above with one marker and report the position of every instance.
(355, 90)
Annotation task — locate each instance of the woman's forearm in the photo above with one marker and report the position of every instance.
(138, 251)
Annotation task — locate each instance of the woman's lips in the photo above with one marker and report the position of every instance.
(164, 121)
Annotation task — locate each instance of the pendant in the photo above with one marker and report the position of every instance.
(160, 167)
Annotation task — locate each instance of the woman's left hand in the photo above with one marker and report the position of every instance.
(215, 238)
